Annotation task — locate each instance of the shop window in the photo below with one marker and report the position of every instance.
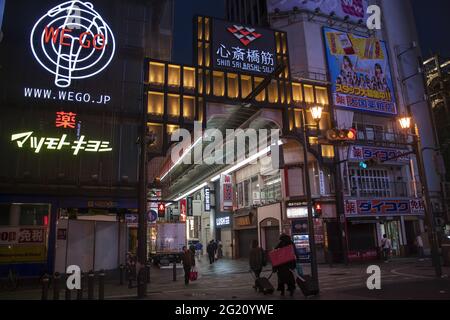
(173, 105)
(200, 28)
(208, 82)
(246, 86)
(189, 78)
(273, 92)
(262, 96)
(207, 55)
(156, 103)
(200, 54)
(297, 95)
(298, 118)
(327, 151)
(174, 76)
(233, 85)
(157, 75)
(322, 96)
(219, 83)
(207, 29)
(309, 93)
(188, 107)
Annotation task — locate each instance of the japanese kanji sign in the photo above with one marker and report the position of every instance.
(361, 153)
(65, 120)
(14, 236)
(384, 207)
(79, 145)
(243, 49)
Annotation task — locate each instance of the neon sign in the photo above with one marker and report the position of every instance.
(65, 120)
(38, 143)
(72, 41)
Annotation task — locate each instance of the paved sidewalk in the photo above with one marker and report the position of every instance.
(231, 280)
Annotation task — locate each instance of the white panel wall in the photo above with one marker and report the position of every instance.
(106, 245)
(80, 249)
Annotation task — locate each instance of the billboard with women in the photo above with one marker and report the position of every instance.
(359, 72)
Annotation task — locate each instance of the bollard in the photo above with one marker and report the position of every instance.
(101, 285)
(56, 285)
(91, 276)
(45, 285)
(174, 271)
(121, 269)
(141, 283)
(68, 295)
(147, 269)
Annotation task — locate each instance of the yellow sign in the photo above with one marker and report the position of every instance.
(18, 253)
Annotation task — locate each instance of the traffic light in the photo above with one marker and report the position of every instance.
(161, 210)
(372, 162)
(342, 134)
(317, 210)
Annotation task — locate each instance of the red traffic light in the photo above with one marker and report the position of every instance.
(342, 134)
(161, 210)
(318, 209)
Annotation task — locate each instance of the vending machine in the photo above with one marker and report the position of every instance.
(300, 237)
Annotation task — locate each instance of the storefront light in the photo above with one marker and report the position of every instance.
(316, 113)
(405, 122)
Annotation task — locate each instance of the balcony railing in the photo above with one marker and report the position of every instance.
(384, 189)
(378, 137)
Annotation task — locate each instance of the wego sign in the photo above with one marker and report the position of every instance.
(72, 41)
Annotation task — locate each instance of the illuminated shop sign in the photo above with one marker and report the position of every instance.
(384, 207)
(241, 48)
(66, 120)
(207, 202)
(360, 73)
(72, 41)
(361, 153)
(223, 221)
(27, 139)
(297, 212)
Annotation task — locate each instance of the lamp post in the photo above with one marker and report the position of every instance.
(405, 124)
(316, 113)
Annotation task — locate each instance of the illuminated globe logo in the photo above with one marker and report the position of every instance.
(72, 41)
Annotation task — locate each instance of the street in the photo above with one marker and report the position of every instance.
(230, 280)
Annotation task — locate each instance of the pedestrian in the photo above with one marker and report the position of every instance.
(285, 275)
(210, 251)
(256, 259)
(215, 246)
(198, 249)
(419, 244)
(186, 258)
(220, 251)
(192, 252)
(386, 246)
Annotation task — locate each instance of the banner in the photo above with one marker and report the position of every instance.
(384, 207)
(354, 9)
(360, 73)
(362, 153)
(226, 187)
(22, 244)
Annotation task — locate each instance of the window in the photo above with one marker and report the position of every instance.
(200, 28)
(173, 105)
(24, 214)
(321, 96)
(207, 29)
(370, 183)
(156, 103)
(297, 92)
(271, 190)
(262, 96)
(327, 151)
(233, 86)
(200, 54)
(219, 84)
(298, 118)
(189, 107)
(309, 93)
(174, 76)
(246, 84)
(157, 73)
(200, 81)
(189, 78)
(207, 55)
(273, 92)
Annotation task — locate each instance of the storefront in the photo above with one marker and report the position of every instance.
(245, 229)
(224, 234)
(368, 220)
(269, 222)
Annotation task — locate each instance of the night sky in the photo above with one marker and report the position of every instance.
(432, 17)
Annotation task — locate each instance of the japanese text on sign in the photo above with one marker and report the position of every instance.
(39, 143)
(384, 207)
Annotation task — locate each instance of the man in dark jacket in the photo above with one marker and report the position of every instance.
(186, 258)
(285, 276)
(210, 250)
(256, 259)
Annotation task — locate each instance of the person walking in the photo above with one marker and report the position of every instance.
(256, 259)
(419, 244)
(386, 246)
(198, 249)
(188, 263)
(285, 276)
(215, 246)
(220, 250)
(210, 251)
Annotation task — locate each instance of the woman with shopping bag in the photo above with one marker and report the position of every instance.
(283, 261)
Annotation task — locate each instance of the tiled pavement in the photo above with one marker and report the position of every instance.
(230, 279)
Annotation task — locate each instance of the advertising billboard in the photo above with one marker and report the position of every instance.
(354, 9)
(393, 207)
(359, 72)
(244, 49)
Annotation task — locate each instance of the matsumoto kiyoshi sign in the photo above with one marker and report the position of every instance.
(244, 49)
(72, 41)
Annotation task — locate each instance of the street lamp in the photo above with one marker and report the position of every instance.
(316, 113)
(406, 124)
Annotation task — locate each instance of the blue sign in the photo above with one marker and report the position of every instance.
(2, 9)
(152, 216)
